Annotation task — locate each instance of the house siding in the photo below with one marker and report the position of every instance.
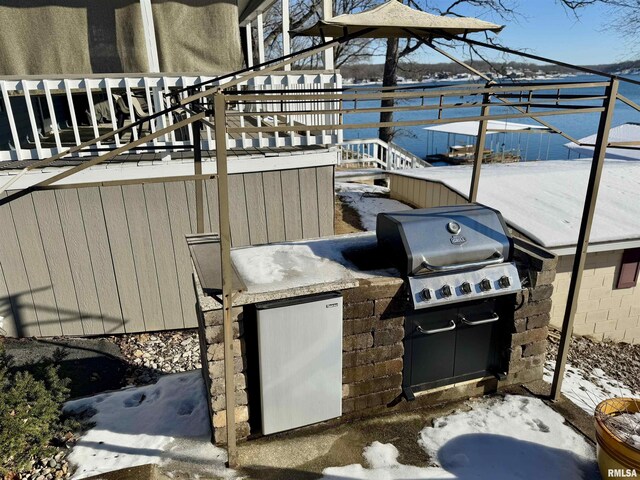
(604, 312)
(104, 260)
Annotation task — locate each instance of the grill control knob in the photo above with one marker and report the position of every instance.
(504, 281)
(426, 294)
(465, 288)
(485, 285)
(446, 290)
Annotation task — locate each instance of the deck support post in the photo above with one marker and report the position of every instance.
(591, 198)
(327, 14)
(249, 38)
(479, 150)
(260, 39)
(286, 38)
(219, 104)
(197, 170)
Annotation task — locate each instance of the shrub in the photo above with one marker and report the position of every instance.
(30, 411)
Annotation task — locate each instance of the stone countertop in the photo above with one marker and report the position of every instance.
(292, 269)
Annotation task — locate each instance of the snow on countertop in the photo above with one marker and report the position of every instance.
(514, 437)
(544, 200)
(285, 267)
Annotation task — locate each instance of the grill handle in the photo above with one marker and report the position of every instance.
(452, 326)
(493, 260)
(494, 318)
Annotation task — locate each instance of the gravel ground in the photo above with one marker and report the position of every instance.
(139, 358)
(152, 355)
(620, 361)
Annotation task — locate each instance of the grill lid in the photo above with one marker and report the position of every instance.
(443, 239)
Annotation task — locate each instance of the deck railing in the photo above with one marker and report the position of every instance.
(379, 154)
(40, 117)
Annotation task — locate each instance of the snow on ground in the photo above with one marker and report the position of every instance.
(368, 201)
(587, 390)
(514, 437)
(165, 423)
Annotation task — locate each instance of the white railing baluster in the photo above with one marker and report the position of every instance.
(132, 118)
(92, 110)
(72, 111)
(183, 84)
(112, 110)
(165, 89)
(69, 128)
(52, 114)
(150, 110)
(32, 119)
(12, 122)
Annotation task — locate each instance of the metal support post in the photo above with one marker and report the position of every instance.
(219, 104)
(197, 170)
(583, 237)
(479, 151)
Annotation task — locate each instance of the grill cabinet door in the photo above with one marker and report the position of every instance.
(477, 340)
(432, 354)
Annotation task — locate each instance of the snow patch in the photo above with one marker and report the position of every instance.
(514, 437)
(368, 201)
(587, 390)
(161, 423)
(382, 459)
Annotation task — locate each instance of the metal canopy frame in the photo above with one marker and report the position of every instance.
(218, 101)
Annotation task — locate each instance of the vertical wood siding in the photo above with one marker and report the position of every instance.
(105, 260)
(423, 193)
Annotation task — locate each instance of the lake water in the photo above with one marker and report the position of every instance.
(531, 146)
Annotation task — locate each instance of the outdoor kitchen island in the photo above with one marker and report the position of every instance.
(375, 306)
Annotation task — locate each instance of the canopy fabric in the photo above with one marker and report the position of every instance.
(493, 126)
(394, 19)
(53, 37)
(628, 132)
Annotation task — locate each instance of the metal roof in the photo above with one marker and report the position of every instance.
(493, 126)
(628, 132)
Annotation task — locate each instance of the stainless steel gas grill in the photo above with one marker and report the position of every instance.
(457, 262)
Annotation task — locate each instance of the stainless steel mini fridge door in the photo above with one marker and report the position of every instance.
(300, 355)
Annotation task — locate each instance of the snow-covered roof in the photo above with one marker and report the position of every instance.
(544, 200)
(628, 132)
(493, 126)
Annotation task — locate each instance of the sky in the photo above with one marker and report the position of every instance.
(545, 28)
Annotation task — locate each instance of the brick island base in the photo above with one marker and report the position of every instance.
(373, 331)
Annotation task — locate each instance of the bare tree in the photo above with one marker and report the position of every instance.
(399, 49)
(303, 13)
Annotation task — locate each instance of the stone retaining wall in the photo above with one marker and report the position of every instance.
(212, 358)
(373, 331)
(372, 344)
(532, 315)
